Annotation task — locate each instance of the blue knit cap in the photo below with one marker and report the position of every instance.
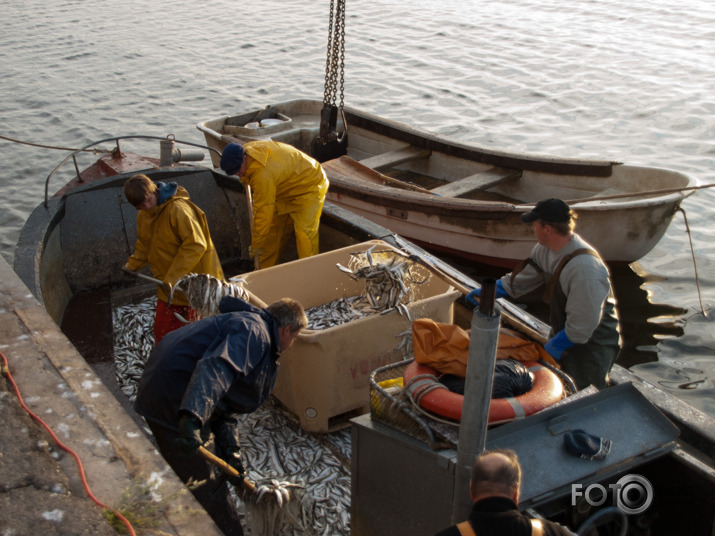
(232, 158)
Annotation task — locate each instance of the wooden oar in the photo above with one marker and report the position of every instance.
(226, 468)
(273, 506)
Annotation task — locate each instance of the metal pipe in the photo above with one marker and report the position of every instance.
(187, 155)
(170, 154)
(166, 153)
(483, 342)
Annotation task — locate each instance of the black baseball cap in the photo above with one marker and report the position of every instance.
(550, 210)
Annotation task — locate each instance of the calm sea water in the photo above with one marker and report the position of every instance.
(626, 81)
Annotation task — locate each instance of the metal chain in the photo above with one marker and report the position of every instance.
(335, 61)
(328, 70)
(341, 7)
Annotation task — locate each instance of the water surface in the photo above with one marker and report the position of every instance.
(630, 82)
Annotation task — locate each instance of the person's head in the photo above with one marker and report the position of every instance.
(290, 317)
(495, 473)
(141, 192)
(233, 160)
(551, 217)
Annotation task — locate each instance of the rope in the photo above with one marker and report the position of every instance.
(695, 264)
(6, 371)
(632, 194)
(422, 384)
(43, 146)
(417, 388)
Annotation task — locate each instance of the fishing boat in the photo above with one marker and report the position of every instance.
(461, 199)
(73, 246)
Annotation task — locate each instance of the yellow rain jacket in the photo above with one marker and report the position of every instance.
(173, 239)
(287, 185)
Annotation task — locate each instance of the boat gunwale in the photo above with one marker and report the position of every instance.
(424, 139)
(476, 209)
(561, 166)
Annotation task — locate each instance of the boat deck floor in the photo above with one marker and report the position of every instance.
(87, 323)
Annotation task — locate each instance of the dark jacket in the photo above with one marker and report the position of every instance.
(215, 368)
(499, 516)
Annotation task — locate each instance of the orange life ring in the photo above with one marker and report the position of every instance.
(546, 391)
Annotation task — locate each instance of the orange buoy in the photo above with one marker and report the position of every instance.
(422, 384)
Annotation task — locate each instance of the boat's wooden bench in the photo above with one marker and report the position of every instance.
(396, 157)
(480, 181)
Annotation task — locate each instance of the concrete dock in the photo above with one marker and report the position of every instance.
(41, 488)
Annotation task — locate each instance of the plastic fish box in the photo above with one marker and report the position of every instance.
(323, 377)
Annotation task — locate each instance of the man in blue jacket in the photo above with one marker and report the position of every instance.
(201, 377)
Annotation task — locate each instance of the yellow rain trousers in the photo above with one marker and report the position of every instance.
(174, 240)
(289, 189)
(445, 347)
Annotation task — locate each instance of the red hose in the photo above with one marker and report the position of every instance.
(6, 370)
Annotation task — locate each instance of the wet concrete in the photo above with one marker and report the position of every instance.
(41, 490)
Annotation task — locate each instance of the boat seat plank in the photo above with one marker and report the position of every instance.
(396, 157)
(480, 181)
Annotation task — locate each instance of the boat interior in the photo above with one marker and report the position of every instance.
(71, 253)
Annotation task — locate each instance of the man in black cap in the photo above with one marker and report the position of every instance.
(585, 336)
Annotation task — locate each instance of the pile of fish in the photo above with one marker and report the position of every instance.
(204, 292)
(273, 444)
(389, 286)
(133, 327)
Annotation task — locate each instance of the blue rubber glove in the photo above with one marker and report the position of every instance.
(556, 345)
(477, 293)
(472, 296)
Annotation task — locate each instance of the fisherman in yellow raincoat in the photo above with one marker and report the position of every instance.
(288, 187)
(173, 239)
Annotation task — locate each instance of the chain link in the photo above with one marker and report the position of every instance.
(342, 53)
(335, 61)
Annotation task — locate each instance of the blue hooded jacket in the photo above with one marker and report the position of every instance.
(215, 368)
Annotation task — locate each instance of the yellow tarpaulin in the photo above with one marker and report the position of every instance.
(445, 347)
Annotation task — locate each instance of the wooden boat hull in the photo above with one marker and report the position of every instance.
(393, 172)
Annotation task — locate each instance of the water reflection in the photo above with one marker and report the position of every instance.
(643, 324)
